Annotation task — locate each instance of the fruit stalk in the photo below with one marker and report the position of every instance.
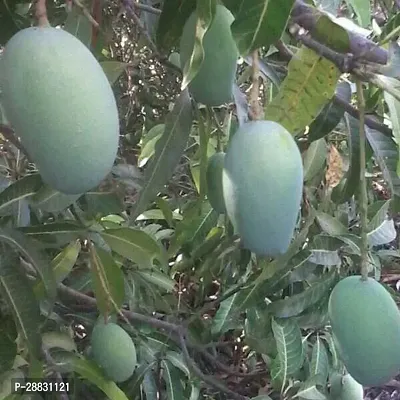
(363, 188)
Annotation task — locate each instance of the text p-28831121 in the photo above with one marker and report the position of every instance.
(45, 385)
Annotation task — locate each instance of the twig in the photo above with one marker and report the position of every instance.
(167, 326)
(206, 378)
(142, 7)
(363, 188)
(86, 13)
(369, 121)
(255, 108)
(345, 62)
(41, 13)
(362, 48)
(128, 5)
(83, 298)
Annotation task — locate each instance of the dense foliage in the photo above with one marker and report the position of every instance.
(203, 263)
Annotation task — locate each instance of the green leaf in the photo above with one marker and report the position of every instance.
(172, 19)
(260, 23)
(386, 155)
(296, 304)
(113, 70)
(331, 114)
(197, 222)
(108, 281)
(319, 365)
(383, 234)
(34, 255)
(335, 359)
(178, 361)
(91, 372)
(205, 12)
(21, 189)
(330, 225)
(362, 10)
(308, 86)
(78, 25)
(150, 385)
(310, 393)
(51, 200)
(158, 279)
(377, 213)
(62, 265)
(102, 203)
(135, 245)
(168, 151)
(290, 349)
(315, 159)
(394, 113)
(8, 351)
(149, 143)
(18, 294)
(174, 386)
(226, 317)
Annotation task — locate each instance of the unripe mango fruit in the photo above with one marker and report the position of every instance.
(345, 387)
(215, 194)
(365, 323)
(60, 103)
(114, 351)
(213, 84)
(262, 185)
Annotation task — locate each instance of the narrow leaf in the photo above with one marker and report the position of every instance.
(260, 23)
(108, 281)
(386, 154)
(174, 385)
(135, 245)
(168, 151)
(62, 265)
(34, 255)
(18, 294)
(21, 189)
(91, 372)
(296, 304)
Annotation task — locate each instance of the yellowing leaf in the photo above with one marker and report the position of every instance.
(309, 85)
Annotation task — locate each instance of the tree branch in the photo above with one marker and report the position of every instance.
(362, 48)
(369, 121)
(179, 332)
(206, 378)
(142, 7)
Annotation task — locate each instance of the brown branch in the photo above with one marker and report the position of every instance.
(41, 13)
(369, 121)
(206, 378)
(256, 111)
(362, 48)
(86, 13)
(178, 331)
